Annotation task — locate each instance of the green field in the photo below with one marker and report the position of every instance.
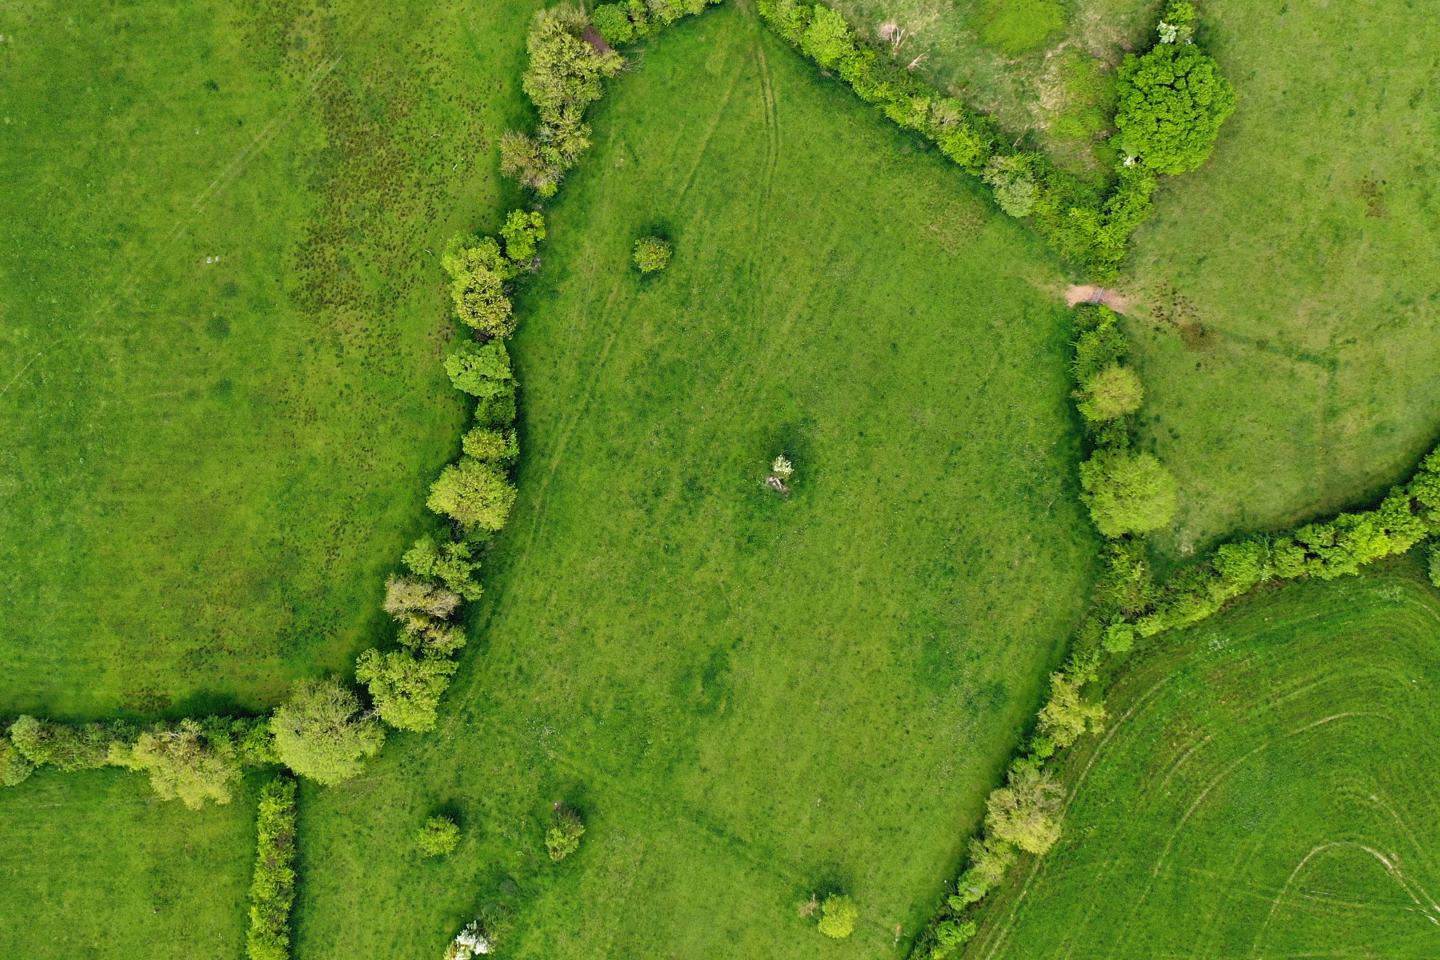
(748, 697)
(1264, 789)
(207, 467)
(1287, 290)
(94, 865)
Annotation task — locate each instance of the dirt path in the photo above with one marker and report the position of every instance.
(1077, 294)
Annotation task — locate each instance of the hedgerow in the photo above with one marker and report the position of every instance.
(272, 889)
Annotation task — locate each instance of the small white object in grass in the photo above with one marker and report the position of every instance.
(782, 467)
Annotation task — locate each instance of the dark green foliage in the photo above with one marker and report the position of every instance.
(563, 836)
(481, 370)
(321, 734)
(1127, 492)
(405, 689)
(452, 562)
(1099, 342)
(272, 889)
(475, 494)
(15, 767)
(1012, 177)
(1172, 101)
(497, 410)
(438, 836)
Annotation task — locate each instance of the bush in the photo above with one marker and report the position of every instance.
(475, 494)
(1172, 102)
(452, 562)
(989, 859)
(950, 935)
(69, 748)
(491, 445)
(1110, 393)
(522, 233)
(1099, 341)
(437, 837)
(1025, 812)
(566, 829)
(1433, 566)
(481, 370)
(652, 254)
(321, 734)
(565, 73)
(478, 276)
(838, 914)
(1066, 716)
(1012, 178)
(188, 762)
(1119, 638)
(828, 38)
(405, 689)
(15, 767)
(1127, 493)
(272, 889)
(613, 23)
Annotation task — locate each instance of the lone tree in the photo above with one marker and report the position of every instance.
(566, 829)
(1172, 101)
(838, 914)
(652, 254)
(438, 836)
(1127, 492)
(320, 733)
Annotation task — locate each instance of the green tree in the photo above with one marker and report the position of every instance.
(838, 914)
(491, 445)
(70, 747)
(1012, 177)
(15, 767)
(1172, 102)
(1127, 492)
(1025, 812)
(563, 836)
(522, 233)
(188, 762)
(1066, 715)
(475, 494)
(652, 254)
(405, 689)
(989, 859)
(438, 836)
(321, 734)
(565, 72)
(452, 562)
(1113, 391)
(481, 370)
(613, 23)
(828, 39)
(407, 595)
(478, 276)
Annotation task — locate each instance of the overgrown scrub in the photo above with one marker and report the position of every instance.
(272, 890)
(563, 836)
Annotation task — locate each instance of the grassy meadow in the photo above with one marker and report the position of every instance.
(221, 325)
(1264, 789)
(749, 697)
(1287, 291)
(93, 865)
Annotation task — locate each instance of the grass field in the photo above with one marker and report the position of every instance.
(93, 865)
(1266, 788)
(1288, 289)
(748, 697)
(220, 398)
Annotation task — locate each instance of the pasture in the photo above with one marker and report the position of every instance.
(1263, 789)
(750, 698)
(222, 395)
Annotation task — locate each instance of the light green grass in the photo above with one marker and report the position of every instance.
(207, 467)
(747, 697)
(1266, 788)
(1287, 293)
(93, 865)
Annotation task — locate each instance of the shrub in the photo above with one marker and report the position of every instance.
(790, 18)
(406, 595)
(1098, 342)
(565, 72)
(1013, 180)
(481, 370)
(566, 829)
(522, 233)
(989, 859)
(438, 837)
(950, 935)
(321, 734)
(838, 914)
(524, 159)
(475, 494)
(498, 410)
(652, 254)
(1111, 392)
(188, 762)
(613, 23)
(1119, 637)
(450, 561)
(478, 275)
(491, 445)
(69, 748)
(405, 689)
(1025, 812)
(1125, 583)
(1066, 716)
(272, 888)
(1172, 102)
(15, 767)
(828, 38)
(1127, 493)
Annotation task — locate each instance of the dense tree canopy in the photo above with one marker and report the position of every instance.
(188, 763)
(1172, 101)
(321, 734)
(1127, 492)
(475, 494)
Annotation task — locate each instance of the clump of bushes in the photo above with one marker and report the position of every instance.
(438, 837)
(405, 687)
(272, 888)
(1127, 492)
(838, 914)
(563, 836)
(652, 254)
(321, 733)
(188, 762)
(15, 767)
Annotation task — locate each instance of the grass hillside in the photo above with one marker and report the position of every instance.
(1287, 290)
(1265, 789)
(94, 865)
(748, 697)
(221, 395)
